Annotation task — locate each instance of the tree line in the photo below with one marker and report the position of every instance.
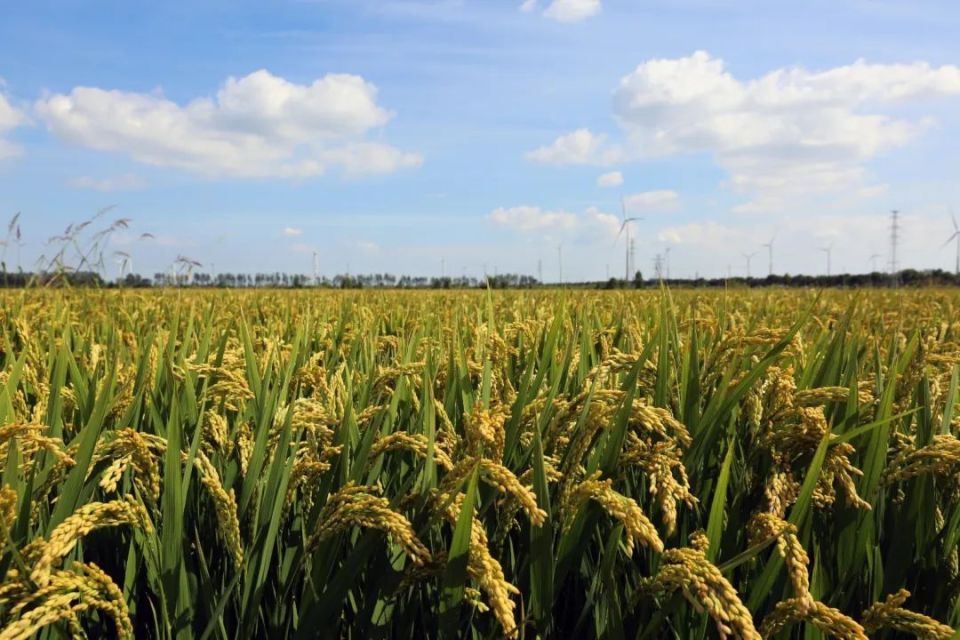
(281, 280)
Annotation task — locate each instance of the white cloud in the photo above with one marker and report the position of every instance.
(652, 201)
(527, 218)
(612, 179)
(782, 137)
(579, 147)
(708, 234)
(593, 226)
(10, 118)
(572, 10)
(607, 225)
(292, 232)
(528, 6)
(126, 182)
(260, 125)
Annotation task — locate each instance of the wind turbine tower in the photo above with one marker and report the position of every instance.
(560, 261)
(769, 246)
(955, 236)
(829, 251)
(748, 257)
(894, 239)
(625, 226)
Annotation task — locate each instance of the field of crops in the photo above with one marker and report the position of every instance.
(528, 464)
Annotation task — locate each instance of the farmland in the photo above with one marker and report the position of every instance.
(295, 464)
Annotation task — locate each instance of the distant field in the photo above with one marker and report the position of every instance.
(397, 464)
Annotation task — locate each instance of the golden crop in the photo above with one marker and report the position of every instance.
(479, 464)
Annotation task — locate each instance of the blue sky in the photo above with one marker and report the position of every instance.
(400, 135)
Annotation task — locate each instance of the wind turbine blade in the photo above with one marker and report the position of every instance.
(623, 209)
(950, 239)
(620, 232)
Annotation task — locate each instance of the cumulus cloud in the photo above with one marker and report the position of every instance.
(10, 118)
(591, 226)
(612, 179)
(709, 234)
(606, 225)
(528, 218)
(126, 182)
(572, 10)
(785, 135)
(578, 147)
(528, 6)
(652, 201)
(292, 232)
(260, 125)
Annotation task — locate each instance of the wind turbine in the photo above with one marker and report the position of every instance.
(749, 257)
(626, 226)
(955, 236)
(769, 246)
(560, 262)
(829, 251)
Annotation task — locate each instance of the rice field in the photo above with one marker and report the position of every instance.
(532, 464)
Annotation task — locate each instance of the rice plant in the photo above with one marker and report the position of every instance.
(475, 464)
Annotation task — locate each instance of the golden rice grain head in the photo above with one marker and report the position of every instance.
(891, 614)
(687, 570)
(506, 482)
(485, 570)
(225, 508)
(87, 518)
(357, 506)
(828, 620)
(8, 513)
(638, 527)
(767, 525)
